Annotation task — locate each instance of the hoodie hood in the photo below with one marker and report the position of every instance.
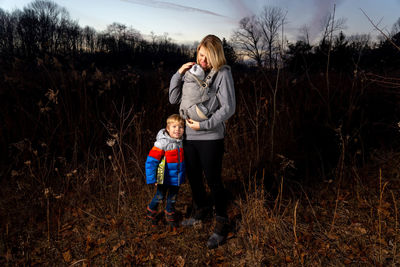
(198, 71)
(166, 142)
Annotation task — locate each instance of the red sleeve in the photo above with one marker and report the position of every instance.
(156, 153)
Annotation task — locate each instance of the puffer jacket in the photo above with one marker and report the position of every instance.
(172, 149)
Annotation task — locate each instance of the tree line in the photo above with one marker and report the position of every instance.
(260, 38)
(44, 27)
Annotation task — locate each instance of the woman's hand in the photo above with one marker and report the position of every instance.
(195, 125)
(185, 67)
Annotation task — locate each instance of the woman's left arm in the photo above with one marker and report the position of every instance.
(226, 98)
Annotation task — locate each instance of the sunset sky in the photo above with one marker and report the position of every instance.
(187, 21)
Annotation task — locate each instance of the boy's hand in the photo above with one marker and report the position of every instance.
(195, 125)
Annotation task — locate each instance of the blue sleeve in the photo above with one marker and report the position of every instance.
(151, 170)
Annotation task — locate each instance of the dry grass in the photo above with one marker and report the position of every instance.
(75, 197)
(94, 222)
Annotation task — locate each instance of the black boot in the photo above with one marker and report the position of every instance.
(171, 219)
(152, 216)
(221, 231)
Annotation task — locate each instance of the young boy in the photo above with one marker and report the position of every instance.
(165, 167)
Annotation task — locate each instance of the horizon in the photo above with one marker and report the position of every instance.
(186, 22)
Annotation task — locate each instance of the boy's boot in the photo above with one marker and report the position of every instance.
(220, 234)
(152, 216)
(171, 219)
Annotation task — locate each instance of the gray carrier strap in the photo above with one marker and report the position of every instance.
(210, 77)
(200, 91)
(207, 80)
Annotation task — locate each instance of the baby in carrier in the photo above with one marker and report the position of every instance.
(195, 91)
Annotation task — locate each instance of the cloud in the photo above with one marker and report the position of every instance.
(322, 9)
(168, 5)
(241, 8)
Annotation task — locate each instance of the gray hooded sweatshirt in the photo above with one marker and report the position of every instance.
(221, 107)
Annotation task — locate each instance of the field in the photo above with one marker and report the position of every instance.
(312, 169)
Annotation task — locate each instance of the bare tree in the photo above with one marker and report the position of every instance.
(3, 26)
(271, 21)
(118, 32)
(74, 41)
(27, 32)
(89, 39)
(106, 43)
(7, 28)
(359, 41)
(229, 52)
(132, 37)
(396, 27)
(330, 25)
(248, 39)
(304, 34)
(49, 16)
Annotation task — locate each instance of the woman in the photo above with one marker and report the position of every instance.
(204, 142)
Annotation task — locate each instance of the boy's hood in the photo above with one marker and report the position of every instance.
(163, 138)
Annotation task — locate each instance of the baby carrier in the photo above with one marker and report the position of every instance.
(196, 91)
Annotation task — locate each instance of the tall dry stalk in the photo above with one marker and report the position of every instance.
(339, 173)
(274, 93)
(46, 194)
(295, 222)
(254, 118)
(329, 50)
(116, 142)
(380, 31)
(278, 200)
(396, 228)
(381, 191)
(254, 215)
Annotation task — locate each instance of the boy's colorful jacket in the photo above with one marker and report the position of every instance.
(172, 149)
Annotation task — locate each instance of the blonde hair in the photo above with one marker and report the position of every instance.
(175, 118)
(214, 51)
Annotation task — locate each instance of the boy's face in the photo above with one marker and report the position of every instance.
(175, 130)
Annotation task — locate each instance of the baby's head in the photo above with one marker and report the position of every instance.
(175, 126)
(197, 70)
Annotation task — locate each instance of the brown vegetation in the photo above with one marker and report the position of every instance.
(311, 166)
(96, 216)
(78, 197)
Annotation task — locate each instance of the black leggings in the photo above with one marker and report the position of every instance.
(205, 156)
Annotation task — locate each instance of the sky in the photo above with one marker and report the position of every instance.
(187, 21)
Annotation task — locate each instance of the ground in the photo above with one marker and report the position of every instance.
(100, 220)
